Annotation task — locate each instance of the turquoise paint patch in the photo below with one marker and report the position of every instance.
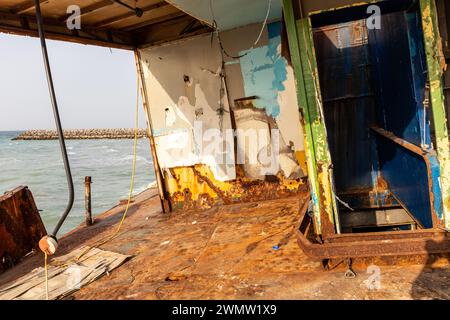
(436, 188)
(264, 71)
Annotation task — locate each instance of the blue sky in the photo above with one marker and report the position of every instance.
(95, 86)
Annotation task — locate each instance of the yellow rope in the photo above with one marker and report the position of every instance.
(133, 173)
(130, 194)
(46, 275)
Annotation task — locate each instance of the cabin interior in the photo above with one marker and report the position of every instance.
(374, 94)
(373, 127)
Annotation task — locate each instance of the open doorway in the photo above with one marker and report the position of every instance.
(374, 90)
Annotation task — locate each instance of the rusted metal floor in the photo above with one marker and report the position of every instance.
(240, 251)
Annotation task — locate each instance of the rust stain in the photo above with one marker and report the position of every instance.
(327, 226)
(21, 226)
(194, 187)
(219, 192)
(382, 183)
(191, 265)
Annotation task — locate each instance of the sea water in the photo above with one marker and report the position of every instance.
(38, 165)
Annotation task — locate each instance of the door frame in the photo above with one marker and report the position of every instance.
(319, 164)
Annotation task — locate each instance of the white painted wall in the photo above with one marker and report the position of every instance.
(183, 84)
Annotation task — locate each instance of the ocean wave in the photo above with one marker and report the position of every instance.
(138, 159)
(38, 164)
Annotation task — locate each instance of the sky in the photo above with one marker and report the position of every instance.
(95, 86)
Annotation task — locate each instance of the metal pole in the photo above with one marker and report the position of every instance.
(165, 204)
(62, 143)
(87, 201)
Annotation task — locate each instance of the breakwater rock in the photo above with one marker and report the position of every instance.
(81, 134)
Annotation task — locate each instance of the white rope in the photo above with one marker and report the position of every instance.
(264, 23)
(217, 30)
(345, 204)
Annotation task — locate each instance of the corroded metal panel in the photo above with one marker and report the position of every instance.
(195, 187)
(21, 226)
(372, 244)
(412, 177)
(349, 102)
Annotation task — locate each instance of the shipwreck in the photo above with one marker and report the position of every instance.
(286, 136)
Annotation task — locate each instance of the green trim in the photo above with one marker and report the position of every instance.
(312, 85)
(317, 123)
(308, 90)
(434, 53)
(291, 27)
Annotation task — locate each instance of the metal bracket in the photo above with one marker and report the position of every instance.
(138, 11)
(350, 273)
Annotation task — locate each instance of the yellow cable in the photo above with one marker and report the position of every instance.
(130, 194)
(46, 275)
(133, 173)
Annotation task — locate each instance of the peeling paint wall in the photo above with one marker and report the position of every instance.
(184, 86)
(187, 86)
(264, 73)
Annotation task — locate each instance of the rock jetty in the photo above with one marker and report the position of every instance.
(81, 134)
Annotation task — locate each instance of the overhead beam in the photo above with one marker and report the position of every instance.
(127, 15)
(22, 8)
(150, 22)
(57, 30)
(151, 32)
(65, 37)
(167, 31)
(91, 8)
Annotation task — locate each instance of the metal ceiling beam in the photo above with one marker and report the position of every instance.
(24, 7)
(143, 32)
(167, 31)
(127, 15)
(150, 22)
(57, 30)
(81, 39)
(91, 8)
(136, 10)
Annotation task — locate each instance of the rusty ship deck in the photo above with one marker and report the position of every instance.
(238, 251)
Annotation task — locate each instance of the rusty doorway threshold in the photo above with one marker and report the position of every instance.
(371, 244)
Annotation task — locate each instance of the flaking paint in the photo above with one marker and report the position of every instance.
(265, 72)
(433, 47)
(191, 181)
